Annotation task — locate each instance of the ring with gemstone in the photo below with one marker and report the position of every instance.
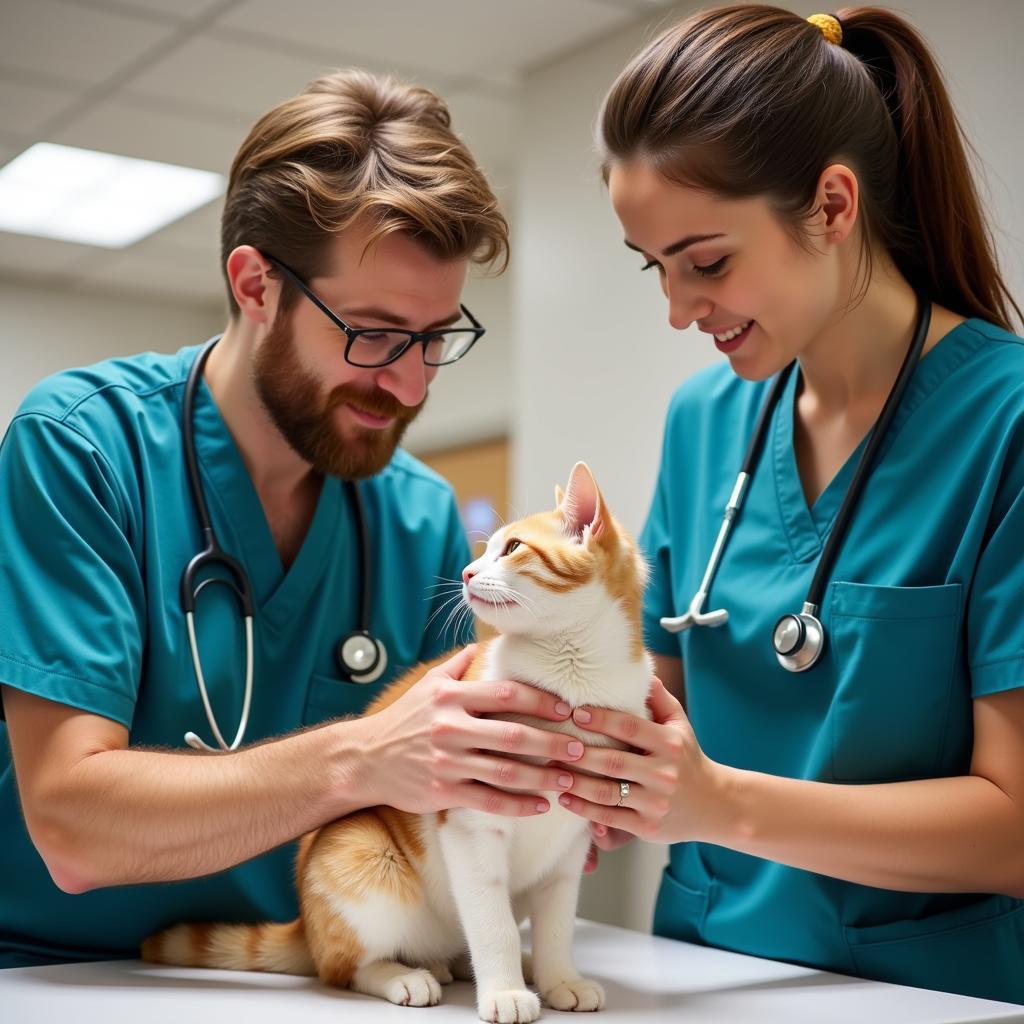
(623, 792)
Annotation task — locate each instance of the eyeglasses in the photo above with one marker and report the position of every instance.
(375, 346)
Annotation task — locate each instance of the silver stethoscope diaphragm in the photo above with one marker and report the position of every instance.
(799, 640)
(360, 655)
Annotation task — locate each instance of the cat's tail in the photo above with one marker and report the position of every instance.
(280, 948)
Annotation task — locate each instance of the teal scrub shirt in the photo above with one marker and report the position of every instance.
(98, 524)
(924, 611)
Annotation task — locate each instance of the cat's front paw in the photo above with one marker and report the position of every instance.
(417, 988)
(575, 994)
(513, 1006)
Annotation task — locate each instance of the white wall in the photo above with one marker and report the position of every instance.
(46, 329)
(595, 358)
(471, 400)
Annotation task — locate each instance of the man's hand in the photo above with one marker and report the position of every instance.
(431, 749)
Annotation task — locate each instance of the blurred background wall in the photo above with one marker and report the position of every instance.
(578, 362)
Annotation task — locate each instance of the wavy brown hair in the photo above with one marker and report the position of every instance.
(352, 144)
(751, 100)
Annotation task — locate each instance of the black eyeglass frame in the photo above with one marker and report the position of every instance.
(352, 333)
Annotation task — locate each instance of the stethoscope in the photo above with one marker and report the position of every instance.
(360, 656)
(799, 640)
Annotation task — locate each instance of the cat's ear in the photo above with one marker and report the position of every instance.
(583, 507)
(559, 496)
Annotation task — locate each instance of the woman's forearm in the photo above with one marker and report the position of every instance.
(129, 816)
(959, 834)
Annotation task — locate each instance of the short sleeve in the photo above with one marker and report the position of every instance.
(656, 544)
(449, 627)
(995, 605)
(71, 592)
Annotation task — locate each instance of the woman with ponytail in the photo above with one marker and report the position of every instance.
(802, 190)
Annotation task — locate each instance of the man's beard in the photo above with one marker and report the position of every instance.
(307, 419)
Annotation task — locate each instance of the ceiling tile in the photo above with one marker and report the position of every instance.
(86, 45)
(25, 108)
(27, 254)
(157, 268)
(11, 145)
(198, 230)
(229, 76)
(181, 10)
(120, 126)
(450, 37)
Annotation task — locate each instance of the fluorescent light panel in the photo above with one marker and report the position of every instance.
(79, 195)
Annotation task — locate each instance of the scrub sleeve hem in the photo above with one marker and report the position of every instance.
(64, 688)
(997, 676)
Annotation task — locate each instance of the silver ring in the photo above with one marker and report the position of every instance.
(623, 792)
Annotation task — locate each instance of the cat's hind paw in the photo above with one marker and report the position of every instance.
(514, 1006)
(577, 994)
(417, 988)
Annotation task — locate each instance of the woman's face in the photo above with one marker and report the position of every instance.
(726, 264)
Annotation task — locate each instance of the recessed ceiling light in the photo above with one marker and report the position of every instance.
(79, 195)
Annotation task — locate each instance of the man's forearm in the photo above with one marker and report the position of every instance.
(959, 834)
(138, 815)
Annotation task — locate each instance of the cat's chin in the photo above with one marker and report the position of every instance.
(491, 613)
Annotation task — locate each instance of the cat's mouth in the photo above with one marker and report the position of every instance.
(490, 604)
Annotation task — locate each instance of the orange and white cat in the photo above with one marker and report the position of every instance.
(393, 902)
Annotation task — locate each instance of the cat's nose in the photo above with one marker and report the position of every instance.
(467, 574)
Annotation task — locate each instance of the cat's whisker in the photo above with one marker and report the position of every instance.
(439, 587)
(452, 615)
(443, 606)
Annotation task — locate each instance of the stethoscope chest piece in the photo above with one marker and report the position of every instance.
(361, 657)
(798, 640)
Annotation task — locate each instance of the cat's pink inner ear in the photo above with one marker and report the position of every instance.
(582, 504)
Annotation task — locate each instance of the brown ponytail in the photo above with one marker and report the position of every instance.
(751, 100)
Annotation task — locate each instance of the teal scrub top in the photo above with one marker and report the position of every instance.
(924, 611)
(98, 524)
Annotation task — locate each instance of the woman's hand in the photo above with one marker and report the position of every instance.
(674, 789)
(604, 838)
(431, 750)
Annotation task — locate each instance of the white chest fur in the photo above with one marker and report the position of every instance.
(591, 665)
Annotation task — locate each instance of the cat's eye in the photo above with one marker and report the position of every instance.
(510, 547)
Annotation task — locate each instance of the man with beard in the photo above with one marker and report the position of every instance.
(351, 217)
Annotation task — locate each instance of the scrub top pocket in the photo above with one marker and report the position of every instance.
(975, 950)
(895, 649)
(332, 697)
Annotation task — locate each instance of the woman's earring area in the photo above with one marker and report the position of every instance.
(798, 640)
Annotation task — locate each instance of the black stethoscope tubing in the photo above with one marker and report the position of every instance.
(359, 654)
(799, 639)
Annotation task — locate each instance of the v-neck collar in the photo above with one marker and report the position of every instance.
(241, 524)
(806, 528)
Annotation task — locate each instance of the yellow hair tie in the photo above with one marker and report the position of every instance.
(830, 27)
